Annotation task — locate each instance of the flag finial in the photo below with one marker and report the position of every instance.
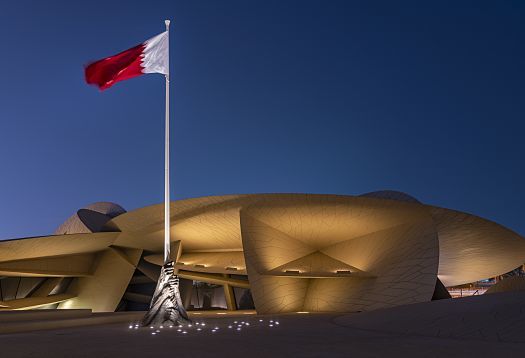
(167, 22)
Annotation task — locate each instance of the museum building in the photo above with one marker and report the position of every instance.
(268, 252)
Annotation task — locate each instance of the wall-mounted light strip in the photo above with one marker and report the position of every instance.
(292, 271)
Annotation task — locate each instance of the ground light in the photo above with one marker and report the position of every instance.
(202, 327)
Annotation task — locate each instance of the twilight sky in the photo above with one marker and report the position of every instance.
(341, 97)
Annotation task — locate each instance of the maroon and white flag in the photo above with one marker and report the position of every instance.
(148, 57)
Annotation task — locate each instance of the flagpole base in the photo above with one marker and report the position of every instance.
(166, 306)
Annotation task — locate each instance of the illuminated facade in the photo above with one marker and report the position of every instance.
(276, 252)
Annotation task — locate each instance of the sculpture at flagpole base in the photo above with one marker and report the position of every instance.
(166, 308)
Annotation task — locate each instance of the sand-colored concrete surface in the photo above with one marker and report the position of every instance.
(486, 326)
(498, 317)
(16, 322)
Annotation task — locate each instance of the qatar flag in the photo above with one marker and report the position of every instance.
(152, 56)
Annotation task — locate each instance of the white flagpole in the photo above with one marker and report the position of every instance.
(167, 225)
(166, 304)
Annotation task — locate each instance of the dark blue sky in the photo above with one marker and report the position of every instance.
(338, 97)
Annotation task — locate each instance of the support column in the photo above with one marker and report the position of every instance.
(175, 252)
(47, 286)
(229, 295)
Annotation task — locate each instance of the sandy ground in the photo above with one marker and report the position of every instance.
(448, 328)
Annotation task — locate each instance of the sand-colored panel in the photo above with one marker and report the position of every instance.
(399, 255)
(34, 302)
(403, 261)
(194, 221)
(277, 294)
(47, 286)
(472, 248)
(216, 279)
(228, 262)
(316, 264)
(55, 245)
(58, 266)
(322, 220)
(129, 255)
(103, 291)
(268, 248)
